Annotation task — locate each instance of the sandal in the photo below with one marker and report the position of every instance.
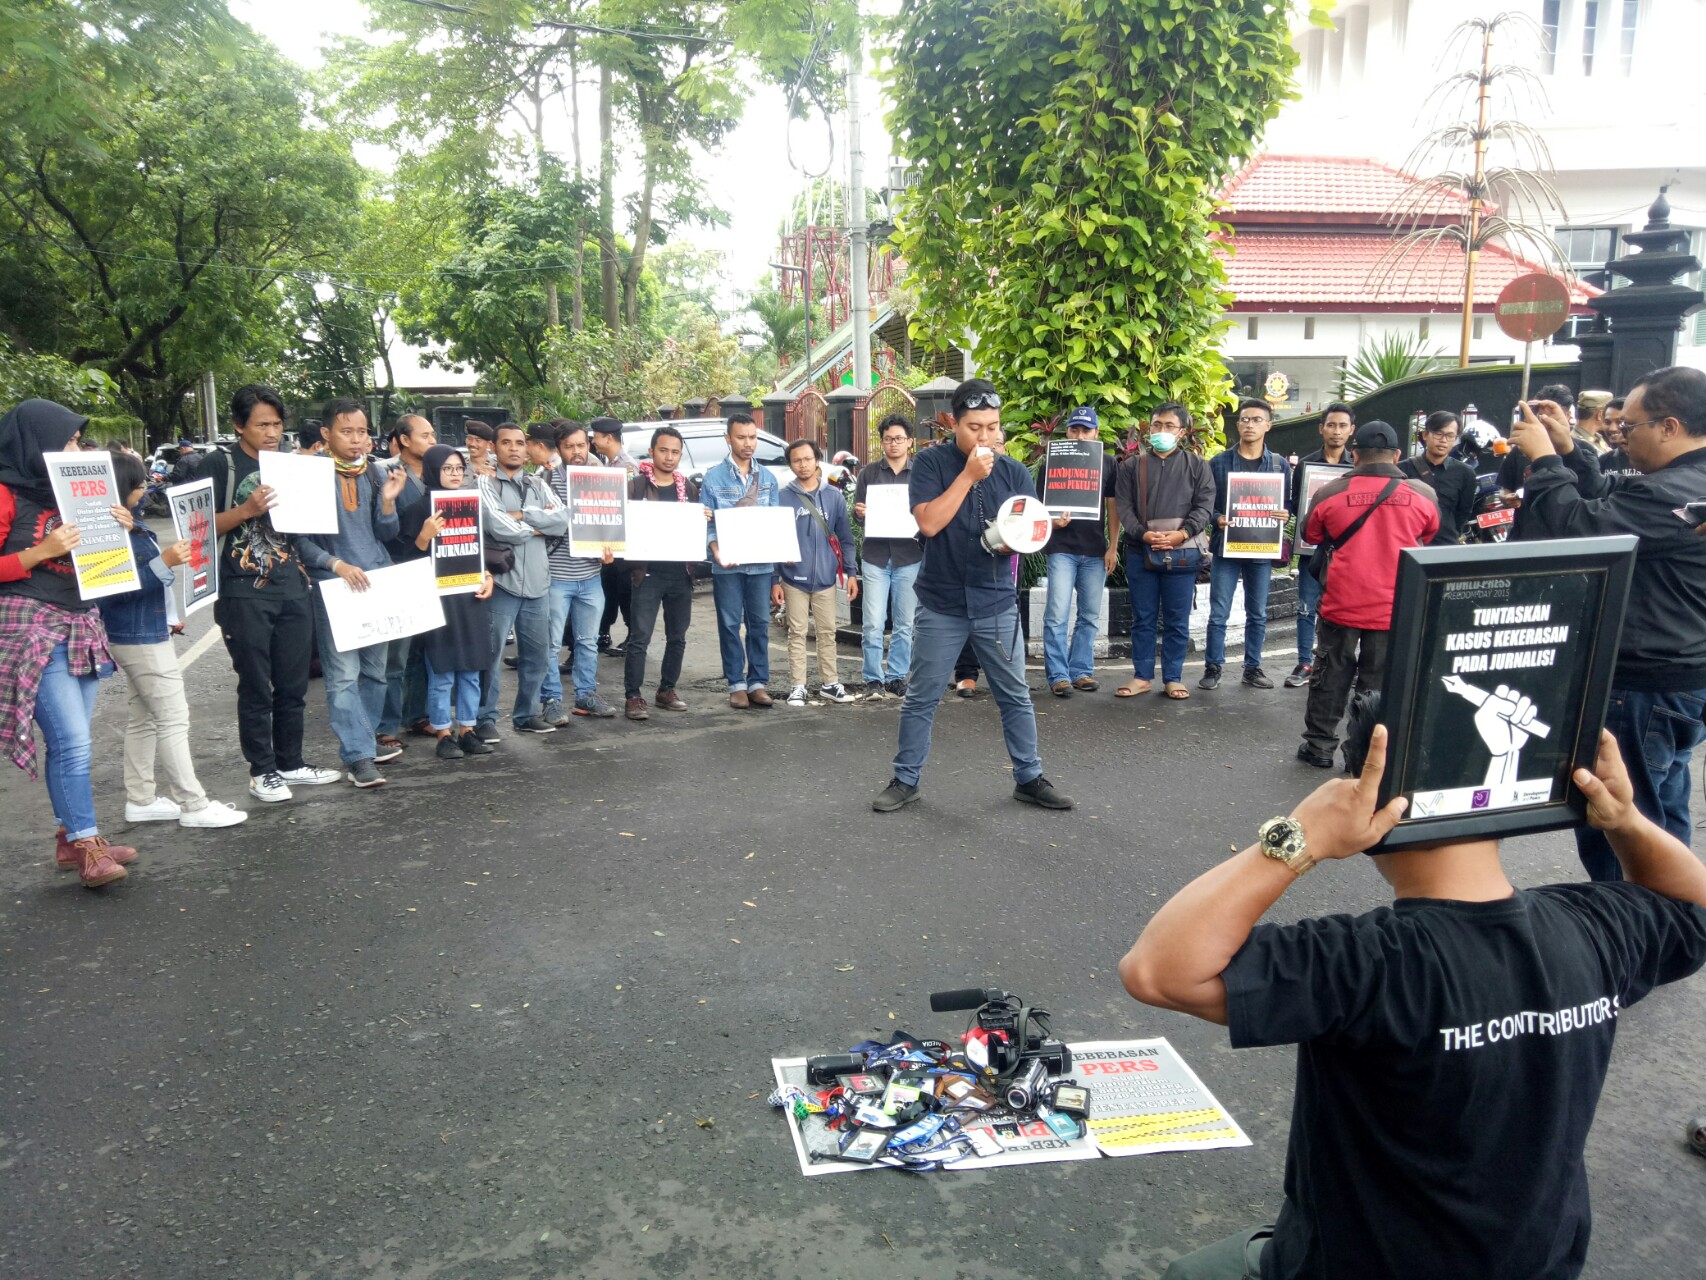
(1131, 688)
(1176, 690)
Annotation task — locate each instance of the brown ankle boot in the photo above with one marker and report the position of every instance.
(98, 863)
(66, 857)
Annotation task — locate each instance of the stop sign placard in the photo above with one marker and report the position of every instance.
(1532, 308)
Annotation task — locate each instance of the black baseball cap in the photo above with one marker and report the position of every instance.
(1375, 435)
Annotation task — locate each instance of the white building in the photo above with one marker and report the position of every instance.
(1622, 103)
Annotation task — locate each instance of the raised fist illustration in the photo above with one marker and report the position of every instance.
(1506, 719)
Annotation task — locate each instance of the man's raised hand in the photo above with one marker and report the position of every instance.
(1339, 817)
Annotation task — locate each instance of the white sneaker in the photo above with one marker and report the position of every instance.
(797, 696)
(836, 692)
(159, 809)
(269, 787)
(309, 776)
(214, 814)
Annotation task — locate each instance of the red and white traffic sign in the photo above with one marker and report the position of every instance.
(1532, 308)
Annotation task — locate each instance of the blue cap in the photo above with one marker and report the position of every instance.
(1083, 416)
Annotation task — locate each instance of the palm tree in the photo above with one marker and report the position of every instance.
(779, 323)
(1389, 358)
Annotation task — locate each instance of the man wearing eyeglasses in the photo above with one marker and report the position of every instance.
(965, 591)
(1658, 692)
(1251, 454)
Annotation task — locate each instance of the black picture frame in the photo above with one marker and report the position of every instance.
(1434, 729)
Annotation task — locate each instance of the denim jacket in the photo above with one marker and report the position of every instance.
(723, 486)
(139, 617)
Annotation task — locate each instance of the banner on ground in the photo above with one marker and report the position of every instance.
(1255, 515)
(84, 490)
(458, 553)
(399, 601)
(666, 531)
(1310, 477)
(1072, 480)
(598, 505)
(1143, 1100)
(192, 520)
(1497, 683)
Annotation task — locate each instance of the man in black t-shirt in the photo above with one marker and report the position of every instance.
(1451, 1047)
(265, 609)
(1080, 558)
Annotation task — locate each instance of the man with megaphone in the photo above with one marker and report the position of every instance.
(977, 513)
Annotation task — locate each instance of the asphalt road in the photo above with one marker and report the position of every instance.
(513, 1017)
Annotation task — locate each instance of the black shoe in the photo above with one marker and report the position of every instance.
(534, 724)
(1041, 792)
(510, 661)
(1309, 755)
(897, 688)
(450, 749)
(365, 774)
(1299, 676)
(618, 650)
(894, 796)
(486, 731)
(604, 644)
(1210, 678)
(1256, 678)
(473, 744)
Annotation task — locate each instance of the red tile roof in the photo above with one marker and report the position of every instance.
(1319, 190)
(1334, 270)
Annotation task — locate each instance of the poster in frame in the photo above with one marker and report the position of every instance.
(1310, 477)
(1497, 683)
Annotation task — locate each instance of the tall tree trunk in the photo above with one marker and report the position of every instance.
(642, 235)
(577, 301)
(607, 202)
(575, 102)
(553, 322)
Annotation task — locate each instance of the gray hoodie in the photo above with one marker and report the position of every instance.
(542, 517)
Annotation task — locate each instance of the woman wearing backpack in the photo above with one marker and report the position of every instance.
(139, 634)
(53, 646)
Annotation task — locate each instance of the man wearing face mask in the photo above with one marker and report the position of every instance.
(963, 591)
(1165, 502)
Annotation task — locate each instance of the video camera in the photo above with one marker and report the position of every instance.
(1009, 1032)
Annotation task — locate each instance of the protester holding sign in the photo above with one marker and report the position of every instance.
(367, 519)
(463, 649)
(1080, 557)
(1658, 694)
(660, 584)
(405, 671)
(888, 565)
(806, 587)
(264, 611)
(53, 645)
(1165, 498)
(742, 590)
(1338, 421)
(141, 641)
(1451, 1047)
(1360, 522)
(577, 584)
(1255, 418)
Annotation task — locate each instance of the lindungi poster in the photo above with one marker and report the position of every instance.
(1072, 483)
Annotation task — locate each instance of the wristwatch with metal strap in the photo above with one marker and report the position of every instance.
(1282, 840)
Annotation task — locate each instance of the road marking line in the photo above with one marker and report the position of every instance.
(187, 658)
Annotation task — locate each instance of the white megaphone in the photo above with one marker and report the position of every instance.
(1021, 526)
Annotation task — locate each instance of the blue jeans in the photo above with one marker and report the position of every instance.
(65, 707)
(452, 698)
(1657, 733)
(585, 599)
(879, 589)
(1308, 606)
(1222, 582)
(743, 598)
(405, 685)
(1164, 600)
(1000, 647)
(355, 689)
(533, 652)
(1088, 576)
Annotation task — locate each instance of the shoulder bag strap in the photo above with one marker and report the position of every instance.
(1390, 489)
(1143, 487)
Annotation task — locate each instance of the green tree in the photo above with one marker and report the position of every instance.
(781, 324)
(1067, 155)
(161, 253)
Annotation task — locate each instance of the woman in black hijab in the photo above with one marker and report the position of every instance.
(53, 647)
(459, 651)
